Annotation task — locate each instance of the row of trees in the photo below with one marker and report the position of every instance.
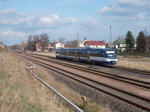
(142, 41)
(33, 39)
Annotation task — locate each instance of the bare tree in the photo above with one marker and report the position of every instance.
(45, 40)
(62, 40)
(75, 43)
(33, 40)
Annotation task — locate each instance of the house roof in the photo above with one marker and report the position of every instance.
(56, 42)
(120, 41)
(95, 43)
(110, 44)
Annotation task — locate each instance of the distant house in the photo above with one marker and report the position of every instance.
(49, 48)
(81, 43)
(58, 45)
(68, 46)
(120, 45)
(110, 44)
(39, 46)
(95, 44)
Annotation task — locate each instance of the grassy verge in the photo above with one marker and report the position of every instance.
(20, 93)
(139, 63)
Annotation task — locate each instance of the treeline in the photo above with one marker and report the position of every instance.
(140, 44)
(34, 39)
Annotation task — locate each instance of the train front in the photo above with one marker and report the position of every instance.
(111, 57)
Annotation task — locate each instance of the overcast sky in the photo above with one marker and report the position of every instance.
(66, 18)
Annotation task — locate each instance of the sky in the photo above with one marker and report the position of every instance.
(67, 18)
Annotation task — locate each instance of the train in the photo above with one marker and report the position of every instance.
(104, 56)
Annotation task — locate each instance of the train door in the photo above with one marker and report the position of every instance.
(79, 51)
(75, 55)
(60, 53)
(67, 54)
(88, 56)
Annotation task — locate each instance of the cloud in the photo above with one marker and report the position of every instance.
(71, 20)
(135, 3)
(7, 34)
(18, 20)
(124, 15)
(11, 37)
(126, 8)
(55, 19)
(89, 24)
(49, 19)
(16, 24)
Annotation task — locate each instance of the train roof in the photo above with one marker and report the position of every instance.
(105, 49)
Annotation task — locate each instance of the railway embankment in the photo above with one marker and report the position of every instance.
(20, 93)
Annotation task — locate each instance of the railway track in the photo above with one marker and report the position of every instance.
(129, 80)
(132, 70)
(115, 67)
(137, 100)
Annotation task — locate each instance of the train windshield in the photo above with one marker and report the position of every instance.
(111, 54)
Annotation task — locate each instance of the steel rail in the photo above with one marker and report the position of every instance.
(90, 85)
(73, 106)
(114, 67)
(132, 70)
(139, 83)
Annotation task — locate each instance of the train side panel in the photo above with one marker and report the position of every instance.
(103, 56)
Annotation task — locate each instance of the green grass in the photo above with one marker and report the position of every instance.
(16, 87)
(35, 108)
(2, 76)
(24, 99)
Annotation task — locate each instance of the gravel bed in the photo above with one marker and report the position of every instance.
(97, 96)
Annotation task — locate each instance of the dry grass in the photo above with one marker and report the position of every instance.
(139, 63)
(20, 93)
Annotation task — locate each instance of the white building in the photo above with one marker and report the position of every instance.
(81, 43)
(58, 45)
(95, 44)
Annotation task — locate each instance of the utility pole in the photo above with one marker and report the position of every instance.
(77, 36)
(77, 39)
(110, 33)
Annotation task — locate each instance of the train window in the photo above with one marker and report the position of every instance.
(63, 53)
(83, 53)
(71, 53)
(57, 51)
(97, 53)
(111, 54)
